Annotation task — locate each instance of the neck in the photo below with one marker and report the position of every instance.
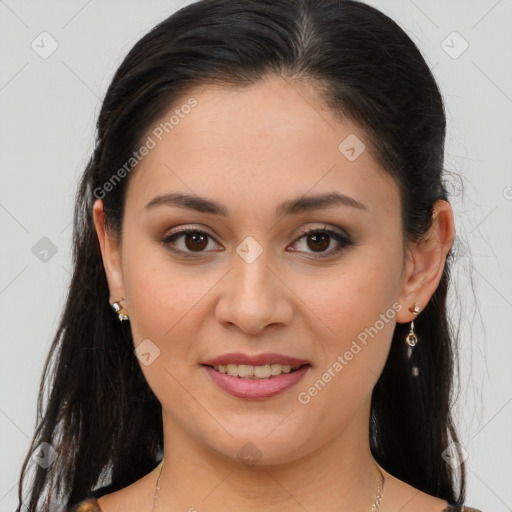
(339, 474)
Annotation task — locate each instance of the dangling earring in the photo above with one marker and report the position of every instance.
(412, 339)
(117, 308)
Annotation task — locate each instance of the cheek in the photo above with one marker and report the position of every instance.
(354, 310)
(164, 304)
(353, 295)
(163, 301)
(160, 292)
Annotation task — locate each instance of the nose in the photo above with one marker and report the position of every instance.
(253, 297)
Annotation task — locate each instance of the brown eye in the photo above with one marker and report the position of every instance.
(196, 241)
(187, 242)
(318, 241)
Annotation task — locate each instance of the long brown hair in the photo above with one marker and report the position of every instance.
(95, 408)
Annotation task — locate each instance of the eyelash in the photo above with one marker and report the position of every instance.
(344, 241)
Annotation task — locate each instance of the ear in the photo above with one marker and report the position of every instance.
(425, 261)
(110, 252)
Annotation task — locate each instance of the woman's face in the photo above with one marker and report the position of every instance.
(250, 281)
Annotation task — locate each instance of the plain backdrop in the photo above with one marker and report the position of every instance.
(48, 109)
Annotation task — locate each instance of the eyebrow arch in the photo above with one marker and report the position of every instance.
(290, 207)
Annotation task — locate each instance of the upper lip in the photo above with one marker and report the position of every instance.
(255, 360)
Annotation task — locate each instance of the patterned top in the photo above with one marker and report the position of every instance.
(91, 505)
(451, 508)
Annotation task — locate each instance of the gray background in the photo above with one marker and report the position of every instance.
(48, 108)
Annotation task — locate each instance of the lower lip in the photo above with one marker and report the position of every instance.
(256, 388)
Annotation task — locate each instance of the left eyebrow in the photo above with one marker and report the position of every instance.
(318, 202)
(290, 207)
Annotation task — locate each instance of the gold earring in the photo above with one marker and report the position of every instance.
(412, 339)
(117, 308)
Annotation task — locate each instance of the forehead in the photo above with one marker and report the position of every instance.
(266, 142)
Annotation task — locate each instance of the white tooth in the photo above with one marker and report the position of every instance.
(262, 372)
(246, 370)
(232, 369)
(275, 369)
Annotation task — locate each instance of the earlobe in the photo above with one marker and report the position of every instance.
(110, 252)
(426, 261)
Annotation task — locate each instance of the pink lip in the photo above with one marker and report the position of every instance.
(256, 388)
(256, 360)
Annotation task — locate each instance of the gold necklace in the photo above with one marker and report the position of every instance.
(375, 506)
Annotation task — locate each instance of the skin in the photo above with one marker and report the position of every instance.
(250, 149)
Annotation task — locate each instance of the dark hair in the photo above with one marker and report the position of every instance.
(100, 415)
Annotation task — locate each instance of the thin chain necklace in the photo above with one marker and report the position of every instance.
(375, 506)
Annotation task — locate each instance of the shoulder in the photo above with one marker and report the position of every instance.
(88, 505)
(398, 495)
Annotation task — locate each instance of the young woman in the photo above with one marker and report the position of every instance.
(257, 317)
